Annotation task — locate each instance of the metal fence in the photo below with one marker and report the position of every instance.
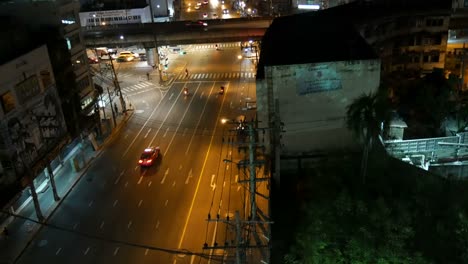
(433, 148)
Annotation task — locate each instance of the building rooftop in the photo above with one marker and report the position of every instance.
(311, 38)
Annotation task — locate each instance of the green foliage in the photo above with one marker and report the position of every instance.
(395, 218)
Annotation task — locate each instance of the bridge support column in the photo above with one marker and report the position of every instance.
(151, 58)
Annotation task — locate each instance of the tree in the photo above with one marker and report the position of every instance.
(366, 117)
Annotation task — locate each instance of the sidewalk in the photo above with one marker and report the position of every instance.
(22, 231)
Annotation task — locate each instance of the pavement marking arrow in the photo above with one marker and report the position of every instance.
(213, 184)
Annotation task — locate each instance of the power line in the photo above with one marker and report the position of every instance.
(108, 240)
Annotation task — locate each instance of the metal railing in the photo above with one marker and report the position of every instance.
(436, 148)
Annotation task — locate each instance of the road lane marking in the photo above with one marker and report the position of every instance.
(165, 118)
(165, 133)
(90, 203)
(198, 123)
(238, 188)
(201, 95)
(116, 250)
(149, 183)
(146, 252)
(102, 225)
(224, 184)
(170, 97)
(143, 127)
(180, 167)
(58, 251)
(165, 204)
(126, 183)
(165, 174)
(173, 184)
(201, 174)
(139, 181)
(118, 178)
(157, 225)
(147, 133)
(180, 122)
(129, 224)
(189, 176)
(136, 168)
(86, 251)
(139, 204)
(75, 226)
(237, 178)
(115, 203)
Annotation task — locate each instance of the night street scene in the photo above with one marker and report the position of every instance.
(234, 132)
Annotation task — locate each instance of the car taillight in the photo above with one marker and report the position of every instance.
(140, 161)
(149, 161)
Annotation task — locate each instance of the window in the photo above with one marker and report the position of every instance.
(434, 22)
(435, 58)
(83, 83)
(79, 62)
(426, 58)
(72, 41)
(8, 102)
(69, 18)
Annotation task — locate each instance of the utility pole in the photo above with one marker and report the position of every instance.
(111, 106)
(248, 231)
(253, 205)
(117, 87)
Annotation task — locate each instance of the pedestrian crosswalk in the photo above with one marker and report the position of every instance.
(210, 76)
(137, 88)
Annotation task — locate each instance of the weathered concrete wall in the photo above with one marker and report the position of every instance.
(313, 99)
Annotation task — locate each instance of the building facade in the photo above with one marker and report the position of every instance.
(302, 97)
(32, 125)
(75, 85)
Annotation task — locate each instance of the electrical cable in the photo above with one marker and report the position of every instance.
(107, 240)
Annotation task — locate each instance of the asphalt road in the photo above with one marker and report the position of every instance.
(121, 213)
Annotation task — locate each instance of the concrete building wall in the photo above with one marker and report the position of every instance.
(312, 101)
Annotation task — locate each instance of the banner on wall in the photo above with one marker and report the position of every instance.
(317, 78)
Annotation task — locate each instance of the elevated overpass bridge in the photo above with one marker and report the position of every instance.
(150, 35)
